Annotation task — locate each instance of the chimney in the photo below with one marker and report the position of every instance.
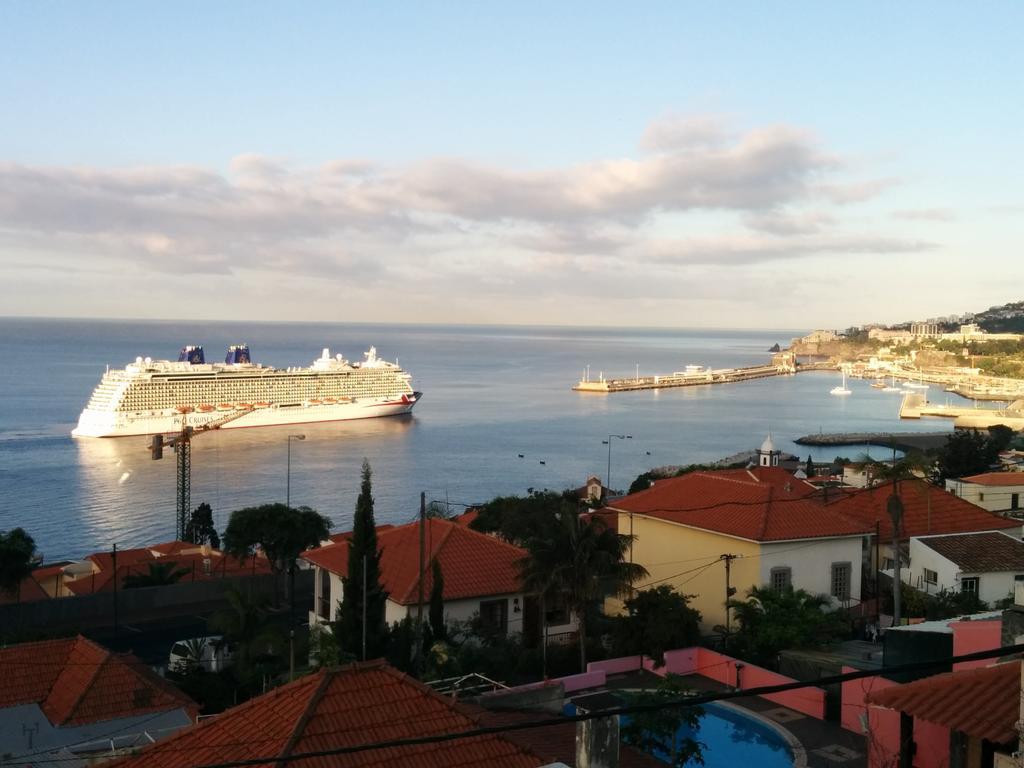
(597, 742)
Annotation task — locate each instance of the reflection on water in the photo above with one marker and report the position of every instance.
(231, 469)
(491, 394)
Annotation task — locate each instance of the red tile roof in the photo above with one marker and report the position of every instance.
(759, 504)
(28, 591)
(927, 509)
(137, 561)
(996, 478)
(75, 681)
(983, 702)
(987, 552)
(473, 564)
(336, 708)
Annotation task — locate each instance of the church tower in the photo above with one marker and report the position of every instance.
(767, 456)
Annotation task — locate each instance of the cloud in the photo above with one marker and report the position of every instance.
(925, 214)
(700, 194)
(685, 132)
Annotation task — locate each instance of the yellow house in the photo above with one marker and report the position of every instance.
(708, 533)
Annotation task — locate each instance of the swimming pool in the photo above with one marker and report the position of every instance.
(731, 738)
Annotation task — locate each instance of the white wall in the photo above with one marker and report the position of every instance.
(992, 586)
(990, 497)
(454, 610)
(922, 557)
(811, 563)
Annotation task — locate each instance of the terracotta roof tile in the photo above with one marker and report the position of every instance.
(980, 552)
(336, 708)
(927, 509)
(759, 504)
(983, 702)
(996, 478)
(75, 681)
(473, 564)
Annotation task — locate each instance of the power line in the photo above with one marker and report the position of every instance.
(687, 701)
(627, 710)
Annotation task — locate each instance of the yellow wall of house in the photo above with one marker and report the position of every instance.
(667, 550)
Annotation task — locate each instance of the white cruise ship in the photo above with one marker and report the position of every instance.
(155, 396)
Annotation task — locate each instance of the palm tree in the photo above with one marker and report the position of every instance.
(771, 620)
(158, 575)
(244, 627)
(581, 561)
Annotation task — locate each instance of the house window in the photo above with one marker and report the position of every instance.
(781, 578)
(841, 580)
(557, 612)
(1014, 501)
(323, 604)
(981, 497)
(969, 584)
(888, 563)
(930, 576)
(494, 617)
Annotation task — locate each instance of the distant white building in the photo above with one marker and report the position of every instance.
(994, 491)
(987, 563)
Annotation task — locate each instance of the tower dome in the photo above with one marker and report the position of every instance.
(768, 455)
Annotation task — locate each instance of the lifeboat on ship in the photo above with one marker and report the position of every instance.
(343, 400)
(329, 401)
(206, 408)
(184, 409)
(314, 401)
(261, 405)
(243, 406)
(225, 407)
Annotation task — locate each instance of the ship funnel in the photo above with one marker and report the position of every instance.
(237, 354)
(191, 354)
(326, 355)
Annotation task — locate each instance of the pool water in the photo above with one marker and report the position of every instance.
(731, 739)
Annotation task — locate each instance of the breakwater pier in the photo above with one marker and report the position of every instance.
(697, 375)
(902, 441)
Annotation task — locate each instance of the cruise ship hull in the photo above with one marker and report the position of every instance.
(126, 424)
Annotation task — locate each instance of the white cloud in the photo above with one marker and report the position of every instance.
(702, 194)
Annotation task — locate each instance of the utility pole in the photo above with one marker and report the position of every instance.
(114, 564)
(423, 555)
(894, 506)
(729, 589)
(364, 607)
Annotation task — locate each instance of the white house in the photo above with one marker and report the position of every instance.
(989, 563)
(480, 576)
(994, 491)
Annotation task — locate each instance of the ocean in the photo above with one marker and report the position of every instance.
(490, 394)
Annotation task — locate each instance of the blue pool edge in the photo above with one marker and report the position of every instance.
(795, 747)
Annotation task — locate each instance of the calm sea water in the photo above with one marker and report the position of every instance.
(490, 394)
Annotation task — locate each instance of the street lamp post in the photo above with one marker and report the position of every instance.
(288, 474)
(608, 442)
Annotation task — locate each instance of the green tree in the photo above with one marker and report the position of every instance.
(809, 469)
(157, 575)
(658, 730)
(363, 557)
(656, 620)
(582, 561)
(517, 519)
(282, 532)
(773, 620)
(17, 551)
(200, 528)
(967, 452)
(642, 482)
(437, 627)
(255, 643)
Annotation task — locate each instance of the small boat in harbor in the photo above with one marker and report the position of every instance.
(841, 390)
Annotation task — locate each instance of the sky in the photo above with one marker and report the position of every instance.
(676, 164)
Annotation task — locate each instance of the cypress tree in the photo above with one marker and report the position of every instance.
(810, 467)
(437, 628)
(363, 545)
